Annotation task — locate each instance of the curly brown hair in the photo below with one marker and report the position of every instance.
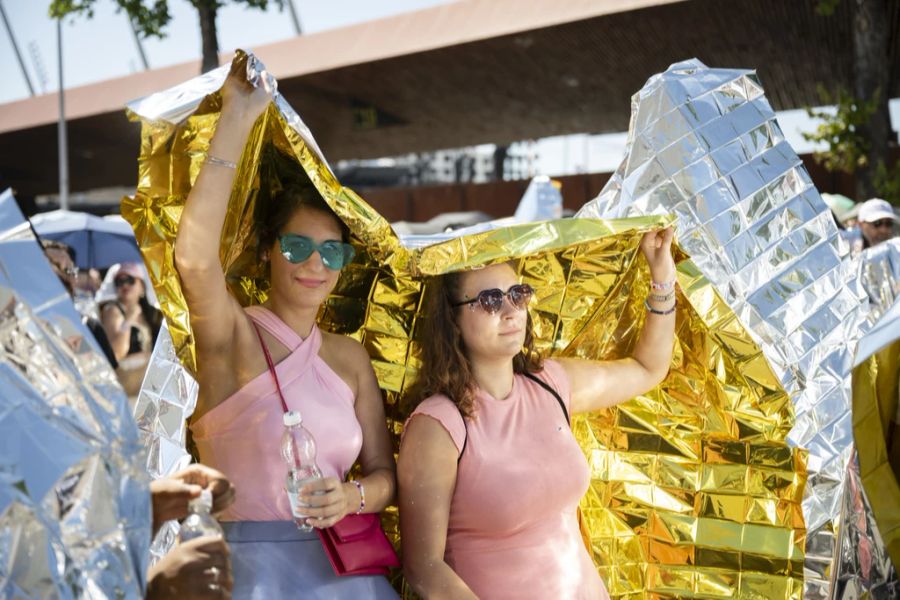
(445, 366)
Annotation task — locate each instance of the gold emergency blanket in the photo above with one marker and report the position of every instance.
(875, 397)
(694, 493)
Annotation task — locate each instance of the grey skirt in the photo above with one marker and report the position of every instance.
(274, 559)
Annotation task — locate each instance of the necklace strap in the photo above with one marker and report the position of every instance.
(265, 349)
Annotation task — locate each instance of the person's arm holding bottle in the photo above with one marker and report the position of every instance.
(330, 499)
(171, 495)
(198, 568)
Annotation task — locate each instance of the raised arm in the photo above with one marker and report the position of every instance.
(427, 478)
(118, 327)
(213, 310)
(600, 384)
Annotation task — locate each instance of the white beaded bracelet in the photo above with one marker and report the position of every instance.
(214, 160)
(362, 495)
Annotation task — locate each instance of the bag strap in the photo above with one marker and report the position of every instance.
(550, 389)
(540, 382)
(262, 343)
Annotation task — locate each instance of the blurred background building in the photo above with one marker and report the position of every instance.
(423, 106)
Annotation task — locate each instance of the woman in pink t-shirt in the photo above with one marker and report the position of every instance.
(490, 475)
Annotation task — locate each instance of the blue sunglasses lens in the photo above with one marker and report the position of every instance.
(335, 254)
(298, 248)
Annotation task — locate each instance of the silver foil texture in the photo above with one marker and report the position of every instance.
(74, 502)
(704, 144)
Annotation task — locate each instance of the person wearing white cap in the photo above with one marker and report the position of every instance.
(877, 221)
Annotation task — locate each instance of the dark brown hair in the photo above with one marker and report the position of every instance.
(57, 268)
(274, 215)
(445, 365)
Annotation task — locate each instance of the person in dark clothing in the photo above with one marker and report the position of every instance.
(62, 259)
(132, 323)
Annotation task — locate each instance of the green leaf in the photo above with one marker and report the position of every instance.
(847, 150)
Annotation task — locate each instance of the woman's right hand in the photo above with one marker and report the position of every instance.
(241, 100)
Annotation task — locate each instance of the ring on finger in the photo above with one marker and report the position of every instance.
(215, 572)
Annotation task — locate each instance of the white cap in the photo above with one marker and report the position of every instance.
(876, 209)
(204, 500)
(291, 418)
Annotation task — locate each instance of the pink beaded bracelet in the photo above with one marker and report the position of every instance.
(362, 495)
(662, 287)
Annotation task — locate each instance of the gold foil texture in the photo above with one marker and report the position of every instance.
(695, 491)
(704, 145)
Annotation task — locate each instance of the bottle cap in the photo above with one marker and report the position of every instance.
(204, 500)
(291, 418)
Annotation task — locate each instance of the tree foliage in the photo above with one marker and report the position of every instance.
(150, 17)
(887, 183)
(858, 134)
(846, 150)
(826, 8)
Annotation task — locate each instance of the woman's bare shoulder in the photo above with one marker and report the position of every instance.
(345, 347)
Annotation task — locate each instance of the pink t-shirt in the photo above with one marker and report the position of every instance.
(513, 529)
(242, 436)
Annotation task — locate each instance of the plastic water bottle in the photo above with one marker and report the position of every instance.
(298, 448)
(199, 521)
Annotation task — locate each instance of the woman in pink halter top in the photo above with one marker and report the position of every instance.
(490, 475)
(328, 378)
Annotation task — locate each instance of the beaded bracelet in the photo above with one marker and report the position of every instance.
(659, 312)
(362, 495)
(665, 286)
(662, 297)
(215, 160)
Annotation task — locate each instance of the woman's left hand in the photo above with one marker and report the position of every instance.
(328, 500)
(657, 248)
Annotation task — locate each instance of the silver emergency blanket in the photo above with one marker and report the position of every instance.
(74, 502)
(863, 566)
(180, 101)
(167, 398)
(879, 271)
(704, 144)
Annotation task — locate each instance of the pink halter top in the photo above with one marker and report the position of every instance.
(242, 436)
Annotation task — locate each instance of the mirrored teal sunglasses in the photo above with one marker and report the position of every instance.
(297, 248)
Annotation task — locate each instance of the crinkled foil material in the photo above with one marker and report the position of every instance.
(704, 144)
(870, 518)
(870, 535)
(167, 398)
(172, 152)
(879, 272)
(695, 490)
(74, 501)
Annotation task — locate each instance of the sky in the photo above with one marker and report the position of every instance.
(104, 47)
